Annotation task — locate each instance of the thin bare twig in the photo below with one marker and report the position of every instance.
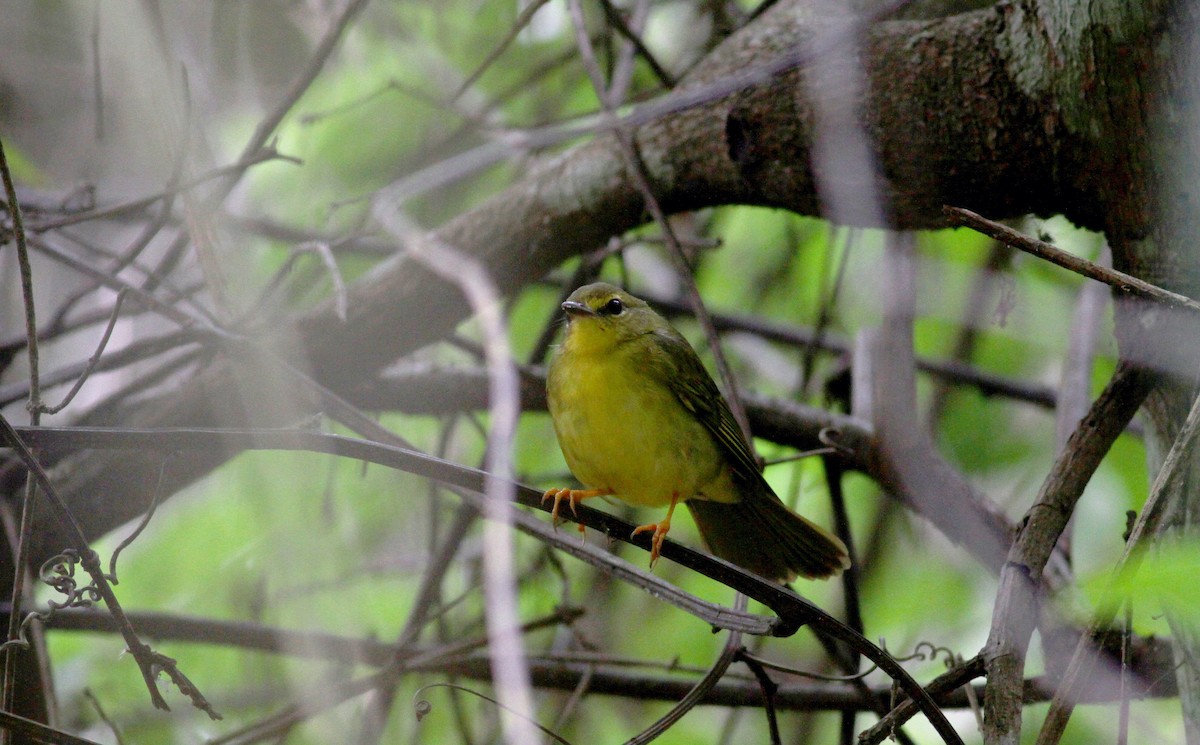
(614, 17)
(58, 323)
(979, 302)
(375, 715)
(1126, 283)
(263, 155)
(334, 695)
(154, 277)
(100, 712)
(136, 352)
(18, 236)
(951, 370)
(91, 363)
(268, 124)
(834, 473)
(1126, 633)
(423, 707)
(565, 670)
(948, 681)
(1075, 382)
(274, 726)
(769, 689)
(621, 67)
(523, 19)
(137, 531)
(104, 278)
(729, 653)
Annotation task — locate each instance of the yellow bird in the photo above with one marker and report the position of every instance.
(638, 417)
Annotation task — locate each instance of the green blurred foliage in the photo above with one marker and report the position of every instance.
(1161, 577)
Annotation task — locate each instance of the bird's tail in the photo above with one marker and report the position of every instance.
(761, 534)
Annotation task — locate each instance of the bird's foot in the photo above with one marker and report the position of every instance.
(660, 529)
(660, 532)
(573, 497)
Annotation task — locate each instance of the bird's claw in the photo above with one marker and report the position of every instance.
(656, 541)
(660, 529)
(557, 495)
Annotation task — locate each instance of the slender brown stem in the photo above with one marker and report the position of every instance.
(1126, 283)
(34, 406)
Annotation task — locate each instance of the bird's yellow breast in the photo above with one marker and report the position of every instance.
(621, 429)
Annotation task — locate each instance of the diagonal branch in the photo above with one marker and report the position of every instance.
(1015, 614)
(1118, 280)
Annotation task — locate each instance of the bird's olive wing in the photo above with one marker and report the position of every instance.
(684, 374)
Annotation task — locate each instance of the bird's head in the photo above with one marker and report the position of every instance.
(601, 316)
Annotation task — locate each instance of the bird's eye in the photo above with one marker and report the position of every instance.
(613, 307)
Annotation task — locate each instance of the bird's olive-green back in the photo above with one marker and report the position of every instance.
(691, 384)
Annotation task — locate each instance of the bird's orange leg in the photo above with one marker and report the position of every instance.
(573, 497)
(660, 529)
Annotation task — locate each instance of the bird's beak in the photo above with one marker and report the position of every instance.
(575, 308)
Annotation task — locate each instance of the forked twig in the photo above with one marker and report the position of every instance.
(150, 663)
